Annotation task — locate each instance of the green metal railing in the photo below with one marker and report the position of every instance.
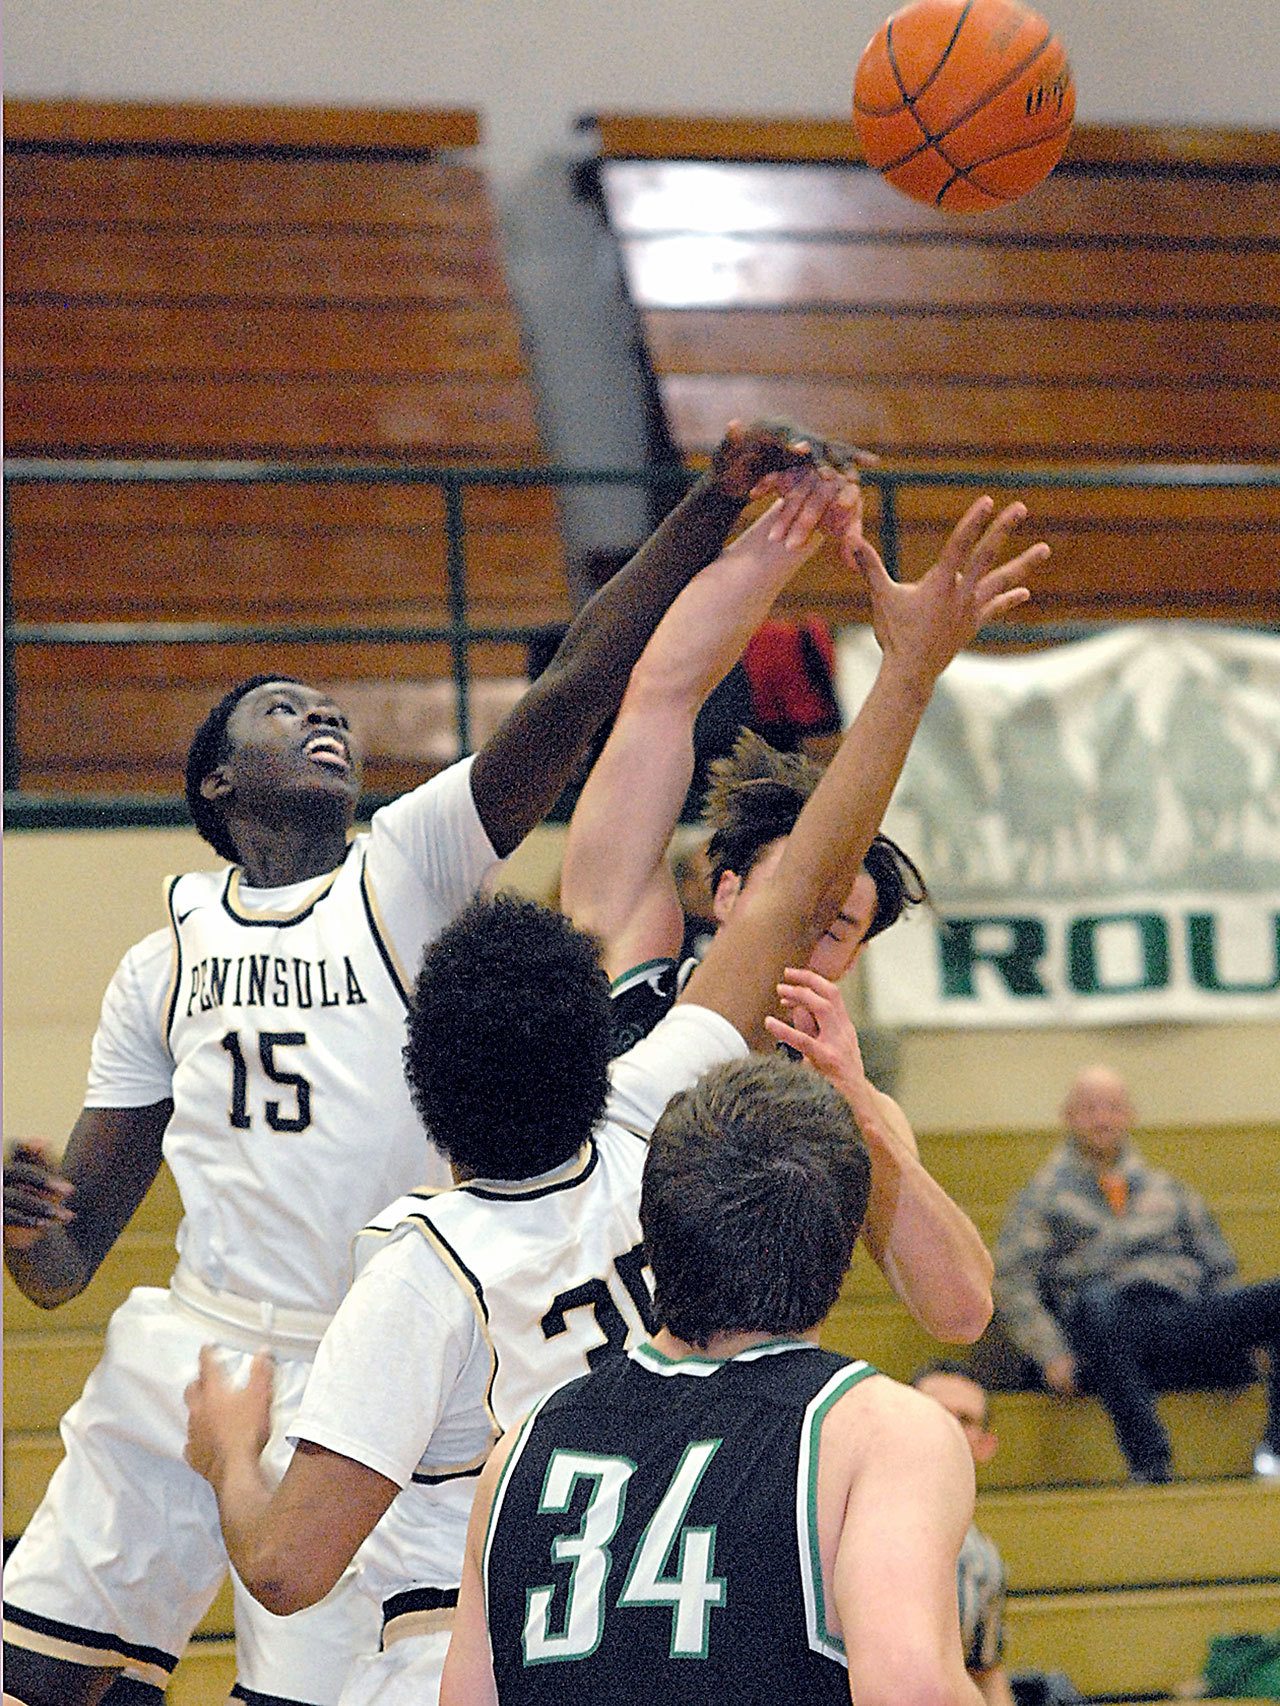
(25, 810)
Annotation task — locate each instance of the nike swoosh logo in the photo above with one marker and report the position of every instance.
(183, 916)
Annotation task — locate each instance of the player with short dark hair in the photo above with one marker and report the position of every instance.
(620, 886)
(726, 1177)
(755, 796)
(255, 1043)
(729, 1513)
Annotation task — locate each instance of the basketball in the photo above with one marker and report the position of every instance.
(964, 104)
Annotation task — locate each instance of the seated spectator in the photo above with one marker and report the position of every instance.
(1114, 1279)
(980, 1578)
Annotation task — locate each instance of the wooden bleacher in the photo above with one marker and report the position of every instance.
(1126, 310)
(276, 284)
(1120, 1587)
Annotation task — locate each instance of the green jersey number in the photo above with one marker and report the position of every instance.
(690, 1592)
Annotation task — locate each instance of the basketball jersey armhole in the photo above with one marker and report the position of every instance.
(822, 1639)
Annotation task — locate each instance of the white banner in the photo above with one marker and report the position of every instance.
(1099, 825)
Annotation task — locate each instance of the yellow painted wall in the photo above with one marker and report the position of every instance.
(75, 900)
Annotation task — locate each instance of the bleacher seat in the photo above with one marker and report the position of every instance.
(271, 284)
(1127, 310)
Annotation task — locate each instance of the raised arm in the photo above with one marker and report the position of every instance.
(520, 772)
(616, 881)
(920, 627)
(60, 1219)
(926, 1246)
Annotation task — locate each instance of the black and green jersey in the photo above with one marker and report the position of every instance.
(653, 1537)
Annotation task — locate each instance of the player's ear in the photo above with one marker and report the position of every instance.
(983, 1445)
(216, 785)
(726, 894)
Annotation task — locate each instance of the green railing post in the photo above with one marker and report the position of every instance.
(456, 569)
(12, 755)
(889, 541)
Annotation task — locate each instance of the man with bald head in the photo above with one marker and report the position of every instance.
(1114, 1279)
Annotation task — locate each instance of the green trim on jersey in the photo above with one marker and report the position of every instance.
(504, 1480)
(822, 1639)
(637, 974)
(655, 1361)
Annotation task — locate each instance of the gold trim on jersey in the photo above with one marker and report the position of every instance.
(76, 1653)
(170, 1008)
(470, 1285)
(567, 1173)
(231, 899)
(382, 936)
(417, 1623)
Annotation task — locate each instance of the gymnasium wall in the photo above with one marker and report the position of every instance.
(530, 66)
(85, 896)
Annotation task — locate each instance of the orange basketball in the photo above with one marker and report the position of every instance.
(964, 103)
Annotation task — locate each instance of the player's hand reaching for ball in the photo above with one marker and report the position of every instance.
(35, 1196)
(754, 460)
(225, 1421)
(924, 623)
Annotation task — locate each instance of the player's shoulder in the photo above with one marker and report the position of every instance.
(147, 963)
(400, 1215)
(872, 1410)
(403, 1239)
(192, 889)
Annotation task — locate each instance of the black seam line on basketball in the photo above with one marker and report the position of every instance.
(1020, 148)
(964, 174)
(988, 95)
(892, 112)
(76, 1635)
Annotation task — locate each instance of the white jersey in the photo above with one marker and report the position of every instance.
(275, 1020)
(473, 1302)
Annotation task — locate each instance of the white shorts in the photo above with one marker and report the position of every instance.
(125, 1554)
(406, 1674)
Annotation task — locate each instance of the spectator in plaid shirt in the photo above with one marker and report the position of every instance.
(1114, 1278)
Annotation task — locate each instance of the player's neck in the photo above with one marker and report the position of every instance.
(721, 1346)
(292, 850)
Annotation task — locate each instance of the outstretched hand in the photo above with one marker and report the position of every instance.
(818, 1027)
(926, 622)
(755, 460)
(222, 1418)
(35, 1196)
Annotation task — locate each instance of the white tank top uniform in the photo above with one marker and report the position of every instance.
(469, 1305)
(275, 1020)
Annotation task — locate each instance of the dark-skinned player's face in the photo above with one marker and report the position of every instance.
(287, 738)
